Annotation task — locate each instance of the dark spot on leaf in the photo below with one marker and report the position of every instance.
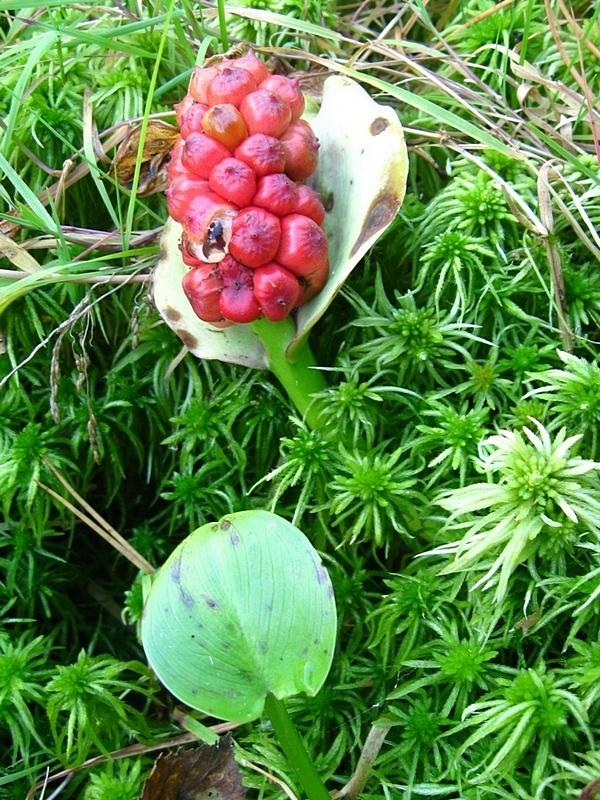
(304, 652)
(232, 693)
(211, 603)
(176, 569)
(194, 691)
(268, 607)
(378, 126)
(382, 211)
(330, 591)
(327, 200)
(322, 576)
(234, 538)
(188, 600)
(316, 641)
(225, 524)
(225, 645)
(262, 647)
(188, 339)
(172, 314)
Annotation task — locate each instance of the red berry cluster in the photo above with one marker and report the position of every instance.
(251, 228)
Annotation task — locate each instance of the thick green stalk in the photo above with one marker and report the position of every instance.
(294, 749)
(300, 378)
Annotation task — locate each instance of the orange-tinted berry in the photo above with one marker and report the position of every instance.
(289, 91)
(265, 112)
(265, 154)
(230, 85)
(255, 236)
(301, 150)
(233, 180)
(201, 153)
(303, 245)
(225, 124)
(276, 193)
(277, 290)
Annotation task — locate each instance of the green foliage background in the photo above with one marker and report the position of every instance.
(477, 312)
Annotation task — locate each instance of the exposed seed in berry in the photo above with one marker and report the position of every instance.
(201, 153)
(301, 150)
(265, 112)
(289, 91)
(230, 85)
(237, 302)
(201, 78)
(277, 290)
(265, 154)
(255, 236)
(276, 193)
(303, 245)
(203, 210)
(202, 286)
(308, 202)
(233, 180)
(225, 124)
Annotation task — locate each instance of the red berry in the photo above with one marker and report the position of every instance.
(190, 120)
(255, 236)
(224, 123)
(277, 290)
(181, 107)
(204, 211)
(201, 153)
(201, 77)
(313, 283)
(233, 180)
(230, 85)
(301, 150)
(256, 67)
(303, 245)
(175, 168)
(265, 154)
(202, 286)
(265, 112)
(308, 202)
(237, 302)
(289, 91)
(180, 193)
(276, 193)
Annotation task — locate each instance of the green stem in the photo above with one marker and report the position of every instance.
(300, 378)
(222, 25)
(294, 749)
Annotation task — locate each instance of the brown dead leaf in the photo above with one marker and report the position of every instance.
(159, 141)
(208, 772)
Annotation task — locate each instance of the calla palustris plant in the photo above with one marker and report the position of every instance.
(241, 616)
(361, 178)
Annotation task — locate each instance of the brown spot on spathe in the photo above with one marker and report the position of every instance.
(382, 211)
(172, 314)
(188, 339)
(378, 126)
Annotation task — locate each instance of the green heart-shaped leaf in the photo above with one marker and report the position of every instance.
(242, 608)
(362, 177)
